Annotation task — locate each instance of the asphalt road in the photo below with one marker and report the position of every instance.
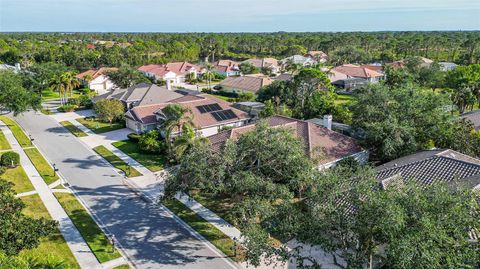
(150, 237)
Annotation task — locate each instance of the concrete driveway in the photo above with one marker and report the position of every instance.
(150, 236)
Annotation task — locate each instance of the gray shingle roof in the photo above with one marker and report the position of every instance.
(428, 167)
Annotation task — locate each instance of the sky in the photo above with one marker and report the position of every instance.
(237, 15)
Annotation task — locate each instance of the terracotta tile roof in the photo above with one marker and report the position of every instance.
(377, 68)
(263, 62)
(178, 68)
(333, 145)
(146, 114)
(226, 66)
(96, 72)
(357, 71)
(473, 117)
(246, 83)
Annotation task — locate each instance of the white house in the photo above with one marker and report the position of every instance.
(97, 79)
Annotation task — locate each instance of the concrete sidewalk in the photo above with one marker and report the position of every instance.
(72, 236)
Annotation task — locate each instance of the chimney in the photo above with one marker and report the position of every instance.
(17, 67)
(327, 121)
(169, 85)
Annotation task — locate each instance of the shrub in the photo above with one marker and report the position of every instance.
(67, 108)
(11, 159)
(149, 142)
(134, 137)
(85, 101)
(3, 169)
(74, 101)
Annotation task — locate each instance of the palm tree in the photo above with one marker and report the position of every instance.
(56, 84)
(208, 74)
(70, 82)
(186, 141)
(177, 119)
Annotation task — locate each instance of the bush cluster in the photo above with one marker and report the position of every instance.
(10, 159)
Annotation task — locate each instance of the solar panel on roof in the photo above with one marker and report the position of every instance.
(209, 108)
(224, 115)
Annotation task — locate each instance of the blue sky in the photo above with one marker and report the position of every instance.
(239, 15)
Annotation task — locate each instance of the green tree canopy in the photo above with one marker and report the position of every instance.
(13, 96)
(109, 110)
(19, 232)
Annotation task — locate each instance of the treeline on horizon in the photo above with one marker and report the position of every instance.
(116, 49)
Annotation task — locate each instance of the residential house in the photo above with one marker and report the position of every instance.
(270, 63)
(210, 115)
(226, 68)
(15, 68)
(335, 75)
(174, 73)
(356, 71)
(317, 55)
(432, 166)
(284, 77)
(447, 66)
(97, 79)
(299, 60)
(349, 84)
(327, 147)
(140, 95)
(249, 83)
(424, 62)
(473, 117)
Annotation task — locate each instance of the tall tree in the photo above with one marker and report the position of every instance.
(13, 96)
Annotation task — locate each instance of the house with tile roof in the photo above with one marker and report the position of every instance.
(227, 68)
(432, 166)
(325, 146)
(317, 55)
(248, 83)
(260, 63)
(357, 71)
(210, 114)
(299, 60)
(97, 79)
(174, 73)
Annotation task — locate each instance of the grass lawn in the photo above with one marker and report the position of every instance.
(52, 246)
(99, 127)
(344, 99)
(19, 178)
(73, 129)
(42, 166)
(93, 235)
(154, 162)
(222, 206)
(4, 145)
(116, 161)
(207, 230)
(52, 95)
(124, 266)
(22, 138)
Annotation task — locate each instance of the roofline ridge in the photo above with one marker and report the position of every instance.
(459, 153)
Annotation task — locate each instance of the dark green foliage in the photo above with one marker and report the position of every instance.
(150, 142)
(14, 96)
(127, 76)
(18, 231)
(248, 68)
(10, 159)
(134, 137)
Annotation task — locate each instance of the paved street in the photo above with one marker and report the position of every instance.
(151, 237)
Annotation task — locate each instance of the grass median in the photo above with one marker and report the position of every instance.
(207, 230)
(73, 129)
(153, 162)
(116, 161)
(4, 145)
(88, 228)
(98, 126)
(51, 246)
(42, 166)
(21, 137)
(20, 180)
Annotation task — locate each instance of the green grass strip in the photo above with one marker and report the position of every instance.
(73, 129)
(116, 161)
(42, 166)
(203, 227)
(88, 228)
(153, 162)
(99, 127)
(19, 178)
(21, 137)
(53, 246)
(4, 145)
